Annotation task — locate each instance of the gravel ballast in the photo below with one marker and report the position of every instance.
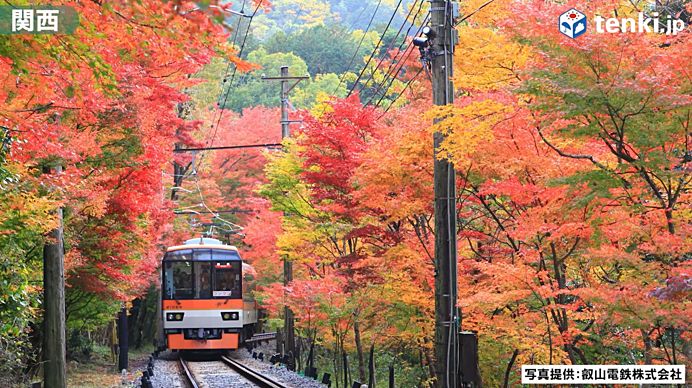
(279, 373)
(167, 370)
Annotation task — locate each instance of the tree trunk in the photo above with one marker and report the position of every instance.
(647, 347)
(134, 328)
(54, 306)
(686, 348)
(279, 341)
(509, 367)
(371, 368)
(431, 367)
(359, 348)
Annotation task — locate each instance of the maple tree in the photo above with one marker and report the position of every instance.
(571, 156)
(630, 123)
(101, 103)
(366, 242)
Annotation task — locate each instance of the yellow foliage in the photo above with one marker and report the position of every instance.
(20, 207)
(465, 127)
(486, 60)
(488, 16)
(322, 106)
(98, 205)
(306, 13)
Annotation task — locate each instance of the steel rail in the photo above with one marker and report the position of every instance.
(188, 374)
(256, 377)
(261, 337)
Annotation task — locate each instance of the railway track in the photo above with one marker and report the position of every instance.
(226, 373)
(188, 375)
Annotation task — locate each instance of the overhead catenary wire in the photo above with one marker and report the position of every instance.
(228, 68)
(232, 226)
(225, 77)
(215, 126)
(235, 70)
(374, 50)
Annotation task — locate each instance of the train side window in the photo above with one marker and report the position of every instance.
(227, 283)
(178, 280)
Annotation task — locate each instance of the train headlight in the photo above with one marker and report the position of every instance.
(175, 317)
(230, 316)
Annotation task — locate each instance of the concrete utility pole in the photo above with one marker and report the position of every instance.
(289, 332)
(54, 304)
(446, 313)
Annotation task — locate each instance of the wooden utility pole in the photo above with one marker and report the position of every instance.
(54, 304)
(122, 339)
(446, 311)
(288, 332)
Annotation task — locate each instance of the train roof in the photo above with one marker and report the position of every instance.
(200, 242)
(211, 243)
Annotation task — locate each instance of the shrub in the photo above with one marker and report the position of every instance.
(79, 346)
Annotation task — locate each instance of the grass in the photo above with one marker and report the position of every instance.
(101, 371)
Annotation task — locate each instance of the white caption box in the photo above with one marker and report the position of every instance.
(602, 374)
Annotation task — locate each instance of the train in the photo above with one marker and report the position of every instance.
(205, 302)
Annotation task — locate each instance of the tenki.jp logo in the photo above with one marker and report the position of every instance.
(573, 24)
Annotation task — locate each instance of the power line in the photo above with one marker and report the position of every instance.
(385, 52)
(375, 48)
(402, 62)
(358, 48)
(402, 92)
(391, 79)
(358, 18)
(472, 13)
(401, 66)
(394, 64)
(394, 76)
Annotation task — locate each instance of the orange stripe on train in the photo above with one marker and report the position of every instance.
(227, 341)
(203, 304)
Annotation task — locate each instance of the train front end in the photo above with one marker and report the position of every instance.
(203, 304)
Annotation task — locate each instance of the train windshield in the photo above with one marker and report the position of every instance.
(227, 280)
(202, 274)
(178, 280)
